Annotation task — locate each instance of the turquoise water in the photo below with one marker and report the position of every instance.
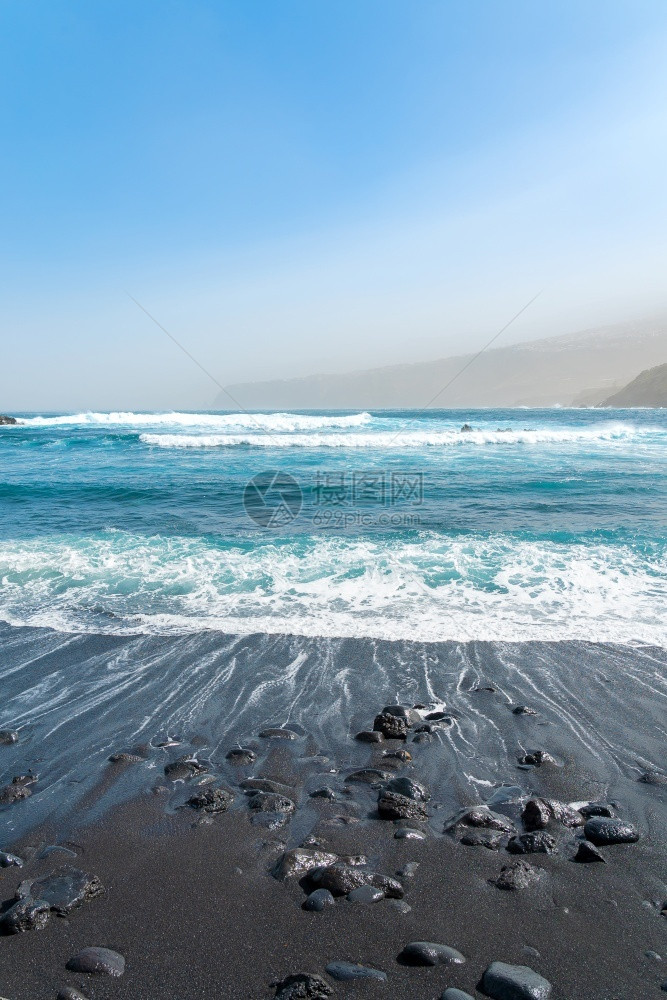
(534, 524)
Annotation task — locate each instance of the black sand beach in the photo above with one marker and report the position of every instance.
(193, 899)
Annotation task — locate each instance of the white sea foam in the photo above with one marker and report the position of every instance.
(428, 587)
(406, 437)
(282, 422)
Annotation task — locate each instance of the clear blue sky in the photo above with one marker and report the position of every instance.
(321, 185)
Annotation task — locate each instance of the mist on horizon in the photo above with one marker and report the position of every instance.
(317, 188)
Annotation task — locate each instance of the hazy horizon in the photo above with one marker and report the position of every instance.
(317, 189)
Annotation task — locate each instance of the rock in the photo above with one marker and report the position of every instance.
(588, 852)
(7, 421)
(600, 831)
(437, 717)
(13, 793)
(523, 710)
(241, 756)
(453, 994)
(466, 429)
(515, 876)
(429, 953)
(318, 900)
(346, 971)
(596, 809)
(653, 778)
(7, 737)
(408, 870)
(538, 842)
(340, 878)
(97, 961)
(422, 738)
(271, 802)
(126, 757)
(400, 905)
(365, 894)
(300, 860)
(69, 993)
(491, 839)
(368, 736)
(482, 816)
(303, 986)
(184, 767)
(410, 715)
(391, 805)
(251, 785)
(368, 776)
(27, 914)
(536, 814)
(514, 982)
(10, 860)
(65, 888)
(408, 788)
(392, 727)
(211, 800)
(403, 755)
(536, 758)
(409, 833)
(278, 733)
(326, 792)
(565, 815)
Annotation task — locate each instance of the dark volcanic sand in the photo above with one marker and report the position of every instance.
(195, 911)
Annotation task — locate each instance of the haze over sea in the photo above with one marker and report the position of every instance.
(534, 525)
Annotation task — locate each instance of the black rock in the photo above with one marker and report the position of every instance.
(271, 802)
(184, 767)
(482, 816)
(64, 889)
(346, 971)
(536, 814)
(211, 800)
(303, 986)
(300, 860)
(365, 894)
(524, 710)
(10, 860)
(368, 776)
(408, 870)
(429, 953)
(538, 842)
(466, 429)
(422, 738)
(451, 993)
(514, 982)
(368, 736)
(437, 717)
(7, 737)
(27, 914)
(408, 788)
(340, 878)
(13, 793)
(536, 758)
(653, 778)
(409, 833)
(240, 756)
(392, 727)
(410, 715)
(278, 733)
(323, 793)
(391, 805)
(318, 900)
(402, 755)
(491, 839)
(515, 876)
(69, 993)
(596, 809)
(587, 853)
(7, 421)
(97, 961)
(601, 830)
(127, 757)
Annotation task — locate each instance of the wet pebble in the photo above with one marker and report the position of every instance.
(10, 860)
(536, 758)
(587, 853)
(391, 805)
(69, 993)
(430, 953)
(184, 767)
(408, 870)
(409, 833)
(491, 839)
(368, 776)
(523, 710)
(515, 876)
(27, 914)
(7, 737)
(211, 800)
(241, 756)
(346, 971)
(369, 736)
(451, 993)
(365, 894)
(300, 860)
(514, 982)
(13, 793)
(601, 831)
(318, 900)
(64, 889)
(303, 986)
(97, 961)
(409, 788)
(538, 842)
(278, 733)
(326, 792)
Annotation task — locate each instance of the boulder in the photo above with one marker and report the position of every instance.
(514, 982)
(601, 830)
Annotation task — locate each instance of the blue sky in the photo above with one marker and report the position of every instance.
(301, 186)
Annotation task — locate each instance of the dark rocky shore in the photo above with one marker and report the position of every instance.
(282, 866)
